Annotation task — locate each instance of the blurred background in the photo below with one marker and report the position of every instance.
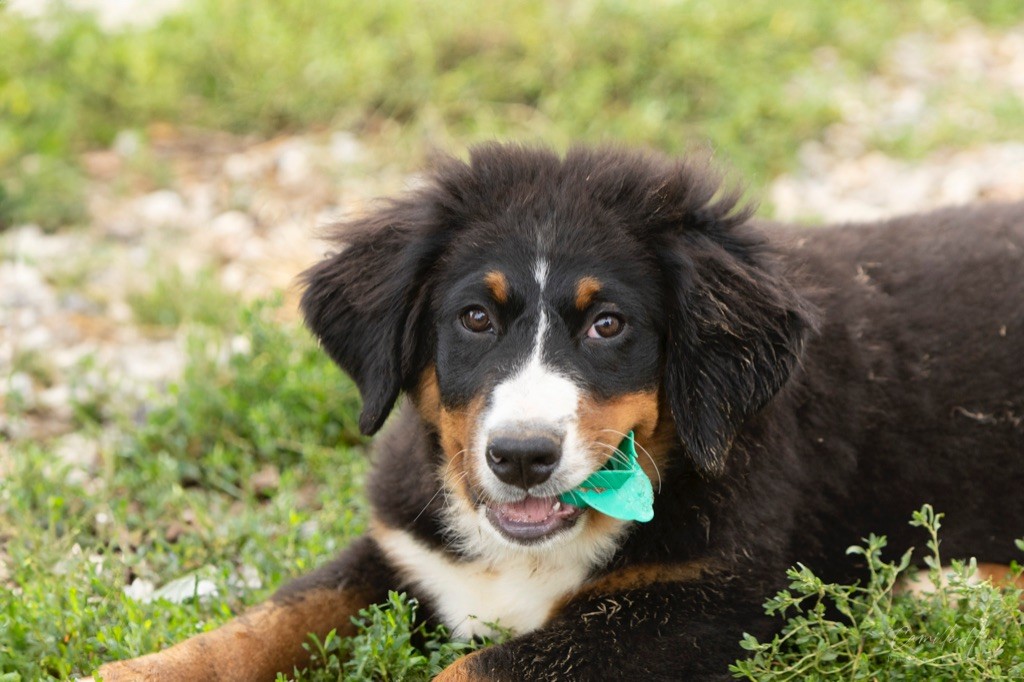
(166, 427)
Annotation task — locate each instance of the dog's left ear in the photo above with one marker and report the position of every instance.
(736, 331)
(369, 304)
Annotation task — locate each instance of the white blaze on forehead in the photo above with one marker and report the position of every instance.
(534, 394)
(540, 273)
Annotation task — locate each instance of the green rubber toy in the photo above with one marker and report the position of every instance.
(621, 489)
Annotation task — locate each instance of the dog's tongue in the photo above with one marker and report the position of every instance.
(530, 510)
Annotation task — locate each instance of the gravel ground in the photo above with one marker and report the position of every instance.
(247, 211)
(926, 82)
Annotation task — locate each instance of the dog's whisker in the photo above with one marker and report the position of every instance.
(441, 488)
(654, 464)
(447, 490)
(642, 449)
(617, 455)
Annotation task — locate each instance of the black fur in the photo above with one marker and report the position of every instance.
(824, 383)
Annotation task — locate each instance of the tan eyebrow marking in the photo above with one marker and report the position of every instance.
(498, 285)
(586, 289)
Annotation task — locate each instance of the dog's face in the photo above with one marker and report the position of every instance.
(538, 309)
(548, 351)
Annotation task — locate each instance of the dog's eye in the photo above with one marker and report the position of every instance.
(476, 320)
(606, 326)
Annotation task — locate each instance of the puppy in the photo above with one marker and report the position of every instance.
(789, 391)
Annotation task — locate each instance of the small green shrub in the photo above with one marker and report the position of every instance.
(266, 395)
(962, 631)
(43, 189)
(172, 298)
(389, 646)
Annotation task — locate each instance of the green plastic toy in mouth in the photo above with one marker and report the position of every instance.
(620, 489)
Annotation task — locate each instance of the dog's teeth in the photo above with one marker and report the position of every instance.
(556, 506)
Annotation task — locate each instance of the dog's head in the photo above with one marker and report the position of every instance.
(536, 309)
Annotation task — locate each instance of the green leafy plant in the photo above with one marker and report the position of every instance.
(171, 298)
(266, 395)
(389, 646)
(963, 630)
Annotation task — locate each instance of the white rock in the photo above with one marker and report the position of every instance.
(202, 198)
(229, 233)
(127, 143)
(77, 451)
(233, 277)
(23, 286)
(960, 185)
(57, 399)
(186, 588)
(70, 562)
(243, 167)
(345, 148)
(119, 311)
(35, 338)
(150, 363)
(294, 163)
(308, 529)
(247, 578)
(112, 15)
(30, 243)
(241, 345)
(140, 590)
(22, 386)
(163, 208)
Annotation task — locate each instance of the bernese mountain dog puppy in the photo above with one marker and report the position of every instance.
(789, 392)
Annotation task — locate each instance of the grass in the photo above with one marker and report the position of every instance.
(961, 631)
(174, 503)
(666, 74)
(173, 497)
(172, 298)
(389, 645)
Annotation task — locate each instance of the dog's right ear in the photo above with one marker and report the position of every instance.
(368, 304)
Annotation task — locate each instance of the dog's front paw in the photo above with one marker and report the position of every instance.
(466, 669)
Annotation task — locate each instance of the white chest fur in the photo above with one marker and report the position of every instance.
(516, 591)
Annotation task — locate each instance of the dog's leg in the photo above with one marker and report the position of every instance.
(646, 623)
(268, 638)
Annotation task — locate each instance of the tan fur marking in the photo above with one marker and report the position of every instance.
(1000, 575)
(586, 289)
(498, 285)
(255, 646)
(605, 422)
(462, 670)
(634, 577)
(647, 574)
(427, 396)
(456, 429)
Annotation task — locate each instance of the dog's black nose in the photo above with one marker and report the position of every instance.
(523, 461)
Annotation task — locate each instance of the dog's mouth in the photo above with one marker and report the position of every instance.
(532, 519)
